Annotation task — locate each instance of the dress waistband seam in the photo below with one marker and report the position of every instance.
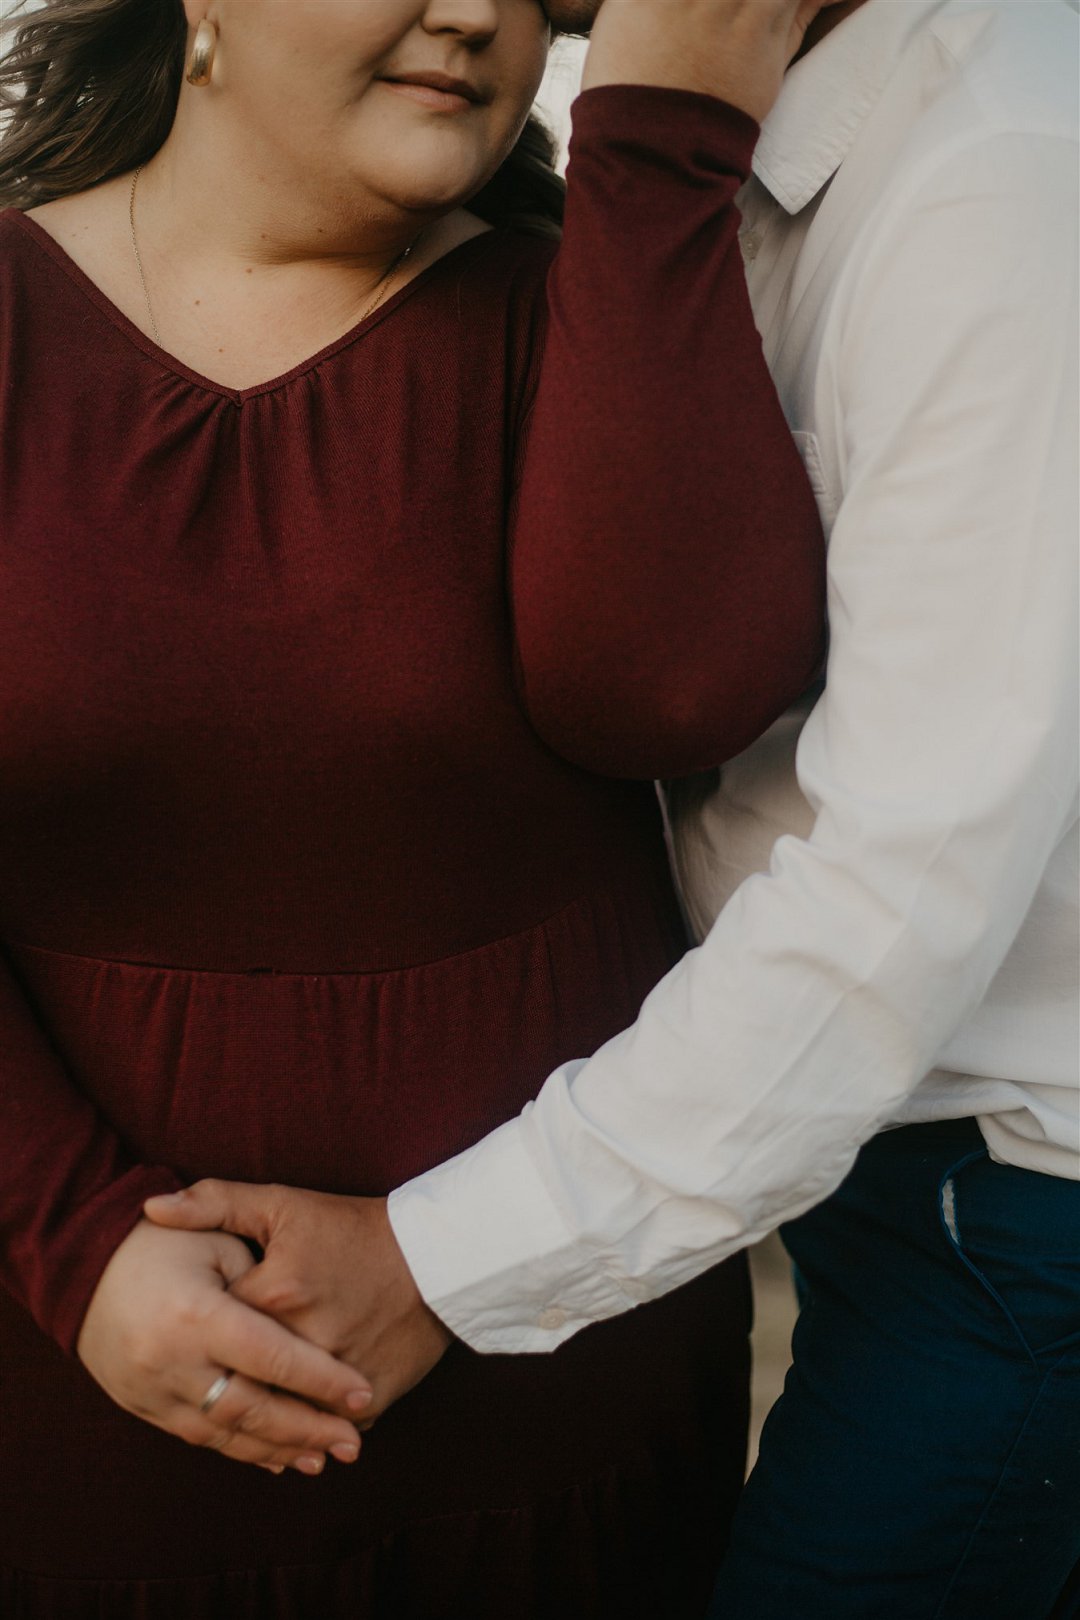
(581, 901)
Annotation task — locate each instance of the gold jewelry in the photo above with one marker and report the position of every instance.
(382, 285)
(200, 66)
(138, 258)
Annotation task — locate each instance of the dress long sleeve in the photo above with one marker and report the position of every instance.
(668, 565)
(70, 1192)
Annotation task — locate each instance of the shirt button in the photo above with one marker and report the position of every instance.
(552, 1319)
(750, 242)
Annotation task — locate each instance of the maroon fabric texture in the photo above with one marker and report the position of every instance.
(324, 838)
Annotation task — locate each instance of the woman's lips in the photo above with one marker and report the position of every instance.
(432, 96)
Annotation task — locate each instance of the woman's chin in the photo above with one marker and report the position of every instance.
(432, 200)
(428, 176)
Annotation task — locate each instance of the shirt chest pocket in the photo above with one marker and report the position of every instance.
(828, 500)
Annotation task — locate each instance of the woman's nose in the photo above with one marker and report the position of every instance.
(476, 21)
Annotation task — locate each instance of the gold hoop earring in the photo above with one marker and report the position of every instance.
(200, 66)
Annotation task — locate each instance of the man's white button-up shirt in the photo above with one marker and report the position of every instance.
(893, 868)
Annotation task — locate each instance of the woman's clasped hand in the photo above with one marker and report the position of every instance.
(330, 1270)
(163, 1328)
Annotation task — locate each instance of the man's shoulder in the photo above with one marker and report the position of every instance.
(982, 103)
(1008, 67)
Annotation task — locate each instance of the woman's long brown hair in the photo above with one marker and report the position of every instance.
(88, 90)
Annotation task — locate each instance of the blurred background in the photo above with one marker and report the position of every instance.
(774, 1317)
(559, 88)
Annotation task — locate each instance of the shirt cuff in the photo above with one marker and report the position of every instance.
(492, 1255)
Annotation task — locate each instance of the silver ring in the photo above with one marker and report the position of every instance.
(215, 1392)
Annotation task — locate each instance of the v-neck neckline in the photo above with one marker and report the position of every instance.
(115, 315)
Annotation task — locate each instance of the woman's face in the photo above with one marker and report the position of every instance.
(318, 86)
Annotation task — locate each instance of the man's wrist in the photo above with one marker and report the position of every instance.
(491, 1254)
(413, 1301)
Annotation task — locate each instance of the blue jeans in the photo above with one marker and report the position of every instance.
(923, 1462)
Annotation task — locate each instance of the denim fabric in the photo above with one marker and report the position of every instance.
(923, 1462)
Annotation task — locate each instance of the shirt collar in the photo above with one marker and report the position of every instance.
(827, 96)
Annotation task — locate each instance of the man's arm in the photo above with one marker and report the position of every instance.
(941, 762)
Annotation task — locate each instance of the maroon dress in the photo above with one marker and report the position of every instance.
(328, 708)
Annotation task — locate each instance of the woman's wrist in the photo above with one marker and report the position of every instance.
(636, 117)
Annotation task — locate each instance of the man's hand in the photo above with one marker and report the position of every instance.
(162, 1332)
(331, 1271)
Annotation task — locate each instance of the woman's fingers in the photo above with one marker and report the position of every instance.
(161, 1326)
(735, 49)
(251, 1423)
(268, 1353)
(232, 1259)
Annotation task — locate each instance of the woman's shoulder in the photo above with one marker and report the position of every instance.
(64, 231)
(85, 229)
(15, 238)
(483, 312)
(506, 268)
(43, 293)
(21, 246)
(29, 257)
(512, 250)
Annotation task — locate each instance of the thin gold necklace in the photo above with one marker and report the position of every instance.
(382, 285)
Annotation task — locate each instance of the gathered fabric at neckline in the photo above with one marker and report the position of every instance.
(169, 362)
